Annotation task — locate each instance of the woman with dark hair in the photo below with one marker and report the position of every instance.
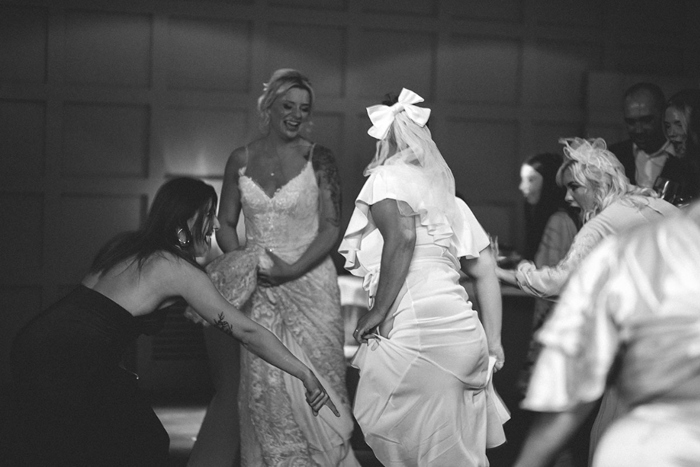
(544, 207)
(550, 228)
(75, 405)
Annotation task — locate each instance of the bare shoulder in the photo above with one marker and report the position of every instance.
(170, 270)
(237, 160)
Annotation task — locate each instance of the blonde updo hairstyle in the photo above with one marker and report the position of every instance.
(280, 82)
(591, 165)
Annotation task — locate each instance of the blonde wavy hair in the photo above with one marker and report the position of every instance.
(280, 82)
(591, 165)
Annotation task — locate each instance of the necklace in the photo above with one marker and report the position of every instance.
(276, 164)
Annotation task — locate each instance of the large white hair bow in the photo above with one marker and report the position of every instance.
(382, 116)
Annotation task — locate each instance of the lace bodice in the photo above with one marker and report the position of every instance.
(285, 223)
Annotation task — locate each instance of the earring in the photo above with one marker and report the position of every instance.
(185, 242)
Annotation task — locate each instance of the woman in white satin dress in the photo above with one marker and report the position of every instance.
(424, 397)
(629, 317)
(288, 190)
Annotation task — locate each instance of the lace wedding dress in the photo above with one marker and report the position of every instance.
(277, 426)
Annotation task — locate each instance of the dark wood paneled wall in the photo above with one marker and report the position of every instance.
(102, 100)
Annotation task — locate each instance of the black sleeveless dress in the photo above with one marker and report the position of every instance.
(75, 405)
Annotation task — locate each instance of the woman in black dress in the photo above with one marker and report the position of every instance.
(75, 405)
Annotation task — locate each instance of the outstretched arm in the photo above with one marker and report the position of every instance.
(328, 223)
(488, 294)
(399, 234)
(196, 288)
(506, 275)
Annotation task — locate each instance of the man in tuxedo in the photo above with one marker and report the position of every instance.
(647, 154)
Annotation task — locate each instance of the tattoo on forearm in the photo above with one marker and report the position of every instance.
(327, 171)
(224, 325)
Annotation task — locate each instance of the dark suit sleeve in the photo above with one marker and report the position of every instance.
(623, 152)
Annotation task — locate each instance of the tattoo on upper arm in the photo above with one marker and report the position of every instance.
(224, 325)
(327, 172)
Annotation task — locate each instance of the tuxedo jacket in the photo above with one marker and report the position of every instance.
(675, 169)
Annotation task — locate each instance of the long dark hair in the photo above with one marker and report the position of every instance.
(551, 200)
(176, 201)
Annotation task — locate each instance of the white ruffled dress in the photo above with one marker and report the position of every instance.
(425, 395)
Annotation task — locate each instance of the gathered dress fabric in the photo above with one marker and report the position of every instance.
(75, 405)
(425, 396)
(631, 317)
(277, 426)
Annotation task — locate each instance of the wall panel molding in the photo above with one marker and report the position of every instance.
(103, 100)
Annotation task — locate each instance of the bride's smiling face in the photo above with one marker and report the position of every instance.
(289, 111)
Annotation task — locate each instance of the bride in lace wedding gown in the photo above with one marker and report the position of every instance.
(300, 313)
(288, 191)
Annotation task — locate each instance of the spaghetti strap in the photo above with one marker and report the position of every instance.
(241, 171)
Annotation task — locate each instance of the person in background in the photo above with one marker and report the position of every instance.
(76, 406)
(289, 192)
(596, 184)
(550, 227)
(681, 126)
(608, 203)
(629, 317)
(550, 224)
(647, 155)
(424, 396)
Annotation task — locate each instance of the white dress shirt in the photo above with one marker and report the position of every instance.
(648, 167)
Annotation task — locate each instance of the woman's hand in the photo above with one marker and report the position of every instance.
(366, 324)
(316, 395)
(279, 273)
(497, 351)
(493, 241)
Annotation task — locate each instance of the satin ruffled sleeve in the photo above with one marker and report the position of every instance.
(549, 281)
(462, 233)
(469, 237)
(580, 339)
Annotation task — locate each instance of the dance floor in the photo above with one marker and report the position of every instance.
(182, 424)
(183, 421)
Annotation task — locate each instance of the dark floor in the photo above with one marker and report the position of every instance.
(182, 421)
